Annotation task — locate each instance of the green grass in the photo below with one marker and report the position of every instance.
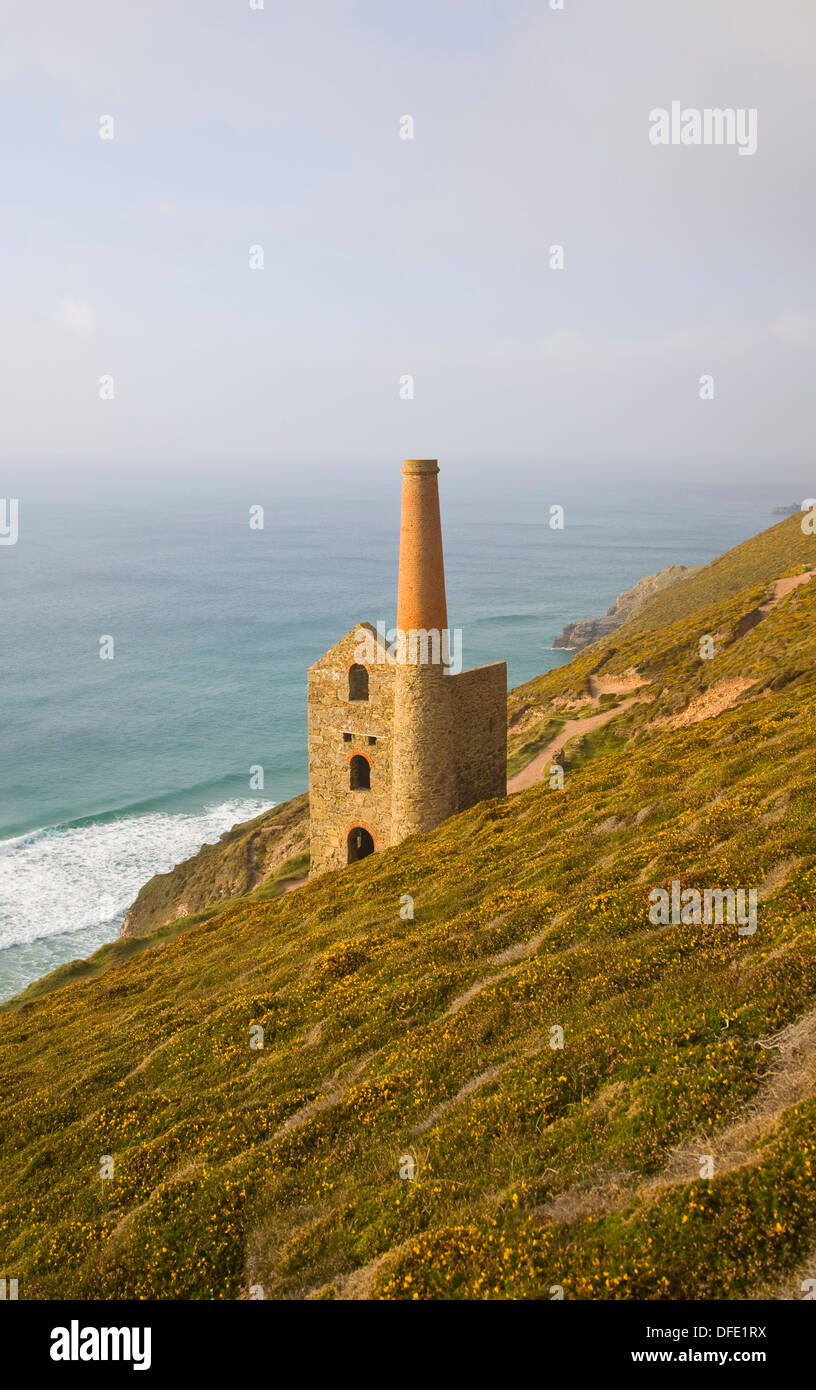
(782, 549)
(534, 1166)
(286, 874)
(522, 750)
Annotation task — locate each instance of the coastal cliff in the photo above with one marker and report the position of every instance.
(264, 856)
(578, 635)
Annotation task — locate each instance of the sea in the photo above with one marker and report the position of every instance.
(154, 647)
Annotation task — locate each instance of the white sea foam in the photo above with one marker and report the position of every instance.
(73, 877)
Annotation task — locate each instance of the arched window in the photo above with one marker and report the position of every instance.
(358, 682)
(359, 772)
(359, 844)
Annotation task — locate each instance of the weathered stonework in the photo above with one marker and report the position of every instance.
(480, 726)
(334, 808)
(429, 743)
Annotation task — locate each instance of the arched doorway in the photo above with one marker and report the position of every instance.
(360, 844)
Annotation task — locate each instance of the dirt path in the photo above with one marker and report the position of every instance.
(535, 769)
(781, 588)
(784, 586)
(514, 954)
(725, 693)
(708, 704)
(614, 685)
(790, 1081)
(474, 1084)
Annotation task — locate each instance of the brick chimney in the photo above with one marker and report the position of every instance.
(424, 782)
(421, 588)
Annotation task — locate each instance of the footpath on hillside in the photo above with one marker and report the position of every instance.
(535, 769)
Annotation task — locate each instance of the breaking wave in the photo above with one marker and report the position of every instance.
(72, 877)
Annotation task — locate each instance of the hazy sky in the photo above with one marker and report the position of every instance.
(383, 257)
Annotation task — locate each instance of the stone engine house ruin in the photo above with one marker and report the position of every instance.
(398, 742)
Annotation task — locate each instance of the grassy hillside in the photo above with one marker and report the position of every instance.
(661, 642)
(389, 1039)
(757, 562)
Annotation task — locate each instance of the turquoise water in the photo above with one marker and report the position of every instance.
(113, 770)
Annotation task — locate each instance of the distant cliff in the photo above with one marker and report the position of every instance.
(587, 630)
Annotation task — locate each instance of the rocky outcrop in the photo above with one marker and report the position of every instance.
(587, 630)
(246, 858)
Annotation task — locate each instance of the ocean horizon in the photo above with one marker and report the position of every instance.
(114, 770)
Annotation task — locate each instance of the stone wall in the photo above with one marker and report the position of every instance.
(479, 701)
(333, 807)
(441, 746)
(424, 749)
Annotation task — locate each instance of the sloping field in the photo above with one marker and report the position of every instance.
(397, 1045)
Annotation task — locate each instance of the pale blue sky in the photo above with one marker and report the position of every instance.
(280, 127)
